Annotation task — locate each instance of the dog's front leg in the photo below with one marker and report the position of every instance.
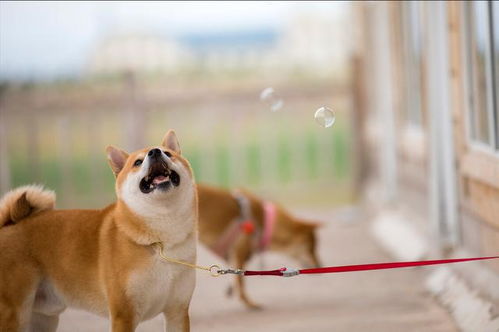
(122, 315)
(121, 323)
(238, 257)
(176, 312)
(177, 319)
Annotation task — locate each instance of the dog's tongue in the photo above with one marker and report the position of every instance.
(158, 179)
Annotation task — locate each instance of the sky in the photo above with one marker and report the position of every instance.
(47, 40)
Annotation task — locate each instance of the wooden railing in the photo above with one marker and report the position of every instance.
(57, 136)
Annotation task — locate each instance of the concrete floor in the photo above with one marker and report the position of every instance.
(390, 300)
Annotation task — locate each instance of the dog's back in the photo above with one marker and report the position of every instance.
(218, 208)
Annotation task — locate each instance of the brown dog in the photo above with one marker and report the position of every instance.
(237, 225)
(103, 261)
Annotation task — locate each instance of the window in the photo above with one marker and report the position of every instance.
(481, 76)
(412, 14)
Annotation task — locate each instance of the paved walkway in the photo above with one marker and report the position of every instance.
(391, 300)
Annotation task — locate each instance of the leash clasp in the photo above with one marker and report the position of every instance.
(290, 272)
(230, 271)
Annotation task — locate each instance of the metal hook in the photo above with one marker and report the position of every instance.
(231, 271)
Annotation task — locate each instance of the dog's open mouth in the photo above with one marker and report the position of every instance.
(159, 177)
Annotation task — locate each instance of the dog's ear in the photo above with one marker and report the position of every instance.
(170, 141)
(116, 158)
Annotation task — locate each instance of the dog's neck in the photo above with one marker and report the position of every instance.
(152, 222)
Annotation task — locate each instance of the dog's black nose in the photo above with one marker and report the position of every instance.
(154, 153)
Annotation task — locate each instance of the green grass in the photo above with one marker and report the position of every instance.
(222, 164)
(341, 160)
(81, 170)
(311, 155)
(283, 158)
(254, 163)
(193, 155)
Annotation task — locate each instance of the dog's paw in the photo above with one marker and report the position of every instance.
(253, 306)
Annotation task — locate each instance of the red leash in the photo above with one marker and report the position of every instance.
(285, 272)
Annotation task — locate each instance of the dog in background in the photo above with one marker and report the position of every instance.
(238, 225)
(103, 261)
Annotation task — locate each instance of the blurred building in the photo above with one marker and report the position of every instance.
(314, 42)
(308, 42)
(428, 125)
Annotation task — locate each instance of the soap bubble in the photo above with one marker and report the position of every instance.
(271, 99)
(324, 117)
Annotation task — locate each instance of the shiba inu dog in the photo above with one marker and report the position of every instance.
(103, 261)
(238, 225)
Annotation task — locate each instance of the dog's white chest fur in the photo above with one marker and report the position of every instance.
(163, 285)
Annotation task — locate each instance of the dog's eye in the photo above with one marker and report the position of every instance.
(168, 154)
(137, 162)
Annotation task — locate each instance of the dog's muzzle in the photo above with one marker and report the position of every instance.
(159, 175)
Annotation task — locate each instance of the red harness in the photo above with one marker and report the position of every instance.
(269, 219)
(245, 224)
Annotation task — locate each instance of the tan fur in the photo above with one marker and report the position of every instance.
(292, 236)
(101, 261)
(20, 202)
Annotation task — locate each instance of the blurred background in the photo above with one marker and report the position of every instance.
(408, 171)
(77, 77)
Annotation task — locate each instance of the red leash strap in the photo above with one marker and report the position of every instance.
(285, 272)
(278, 272)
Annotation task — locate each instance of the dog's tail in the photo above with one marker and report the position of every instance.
(21, 202)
